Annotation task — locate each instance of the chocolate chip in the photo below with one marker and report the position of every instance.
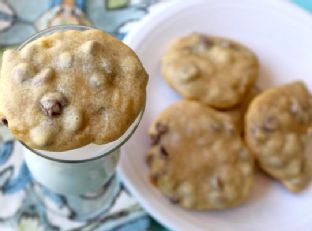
(90, 47)
(173, 199)
(219, 184)
(52, 104)
(204, 43)
(163, 151)
(161, 128)
(157, 175)
(270, 124)
(153, 180)
(207, 42)
(4, 122)
(229, 45)
(302, 167)
(51, 107)
(148, 159)
(216, 183)
(154, 138)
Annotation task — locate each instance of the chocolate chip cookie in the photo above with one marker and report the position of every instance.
(277, 125)
(216, 71)
(71, 88)
(240, 110)
(198, 158)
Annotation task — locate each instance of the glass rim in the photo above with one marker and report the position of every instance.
(106, 153)
(130, 129)
(53, 29)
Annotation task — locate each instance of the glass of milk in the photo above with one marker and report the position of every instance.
(79, 174)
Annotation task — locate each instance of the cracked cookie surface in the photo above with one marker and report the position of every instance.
(68, 89)
(214, 70)
(198, 158)
(276, 127)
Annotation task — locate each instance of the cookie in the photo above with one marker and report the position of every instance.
(71, 88)
(250, 96)
(240, 110)
(198, 158)
(216, 71)
(277, 125)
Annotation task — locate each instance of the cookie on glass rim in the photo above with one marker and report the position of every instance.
(71, 88)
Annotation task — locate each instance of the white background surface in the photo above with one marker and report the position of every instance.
(281, 36)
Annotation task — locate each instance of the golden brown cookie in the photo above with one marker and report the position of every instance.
(216, 71)
(240, 110)
(276, 127)
(69, 89)
(251, 95)
(198, 158)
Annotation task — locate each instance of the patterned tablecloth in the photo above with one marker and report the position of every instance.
(25, 204)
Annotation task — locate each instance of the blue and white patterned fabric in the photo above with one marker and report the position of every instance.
(27, 205)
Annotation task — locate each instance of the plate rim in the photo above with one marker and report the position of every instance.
(143, 28)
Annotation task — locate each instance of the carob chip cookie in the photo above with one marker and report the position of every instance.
(216, 71)
(68, 89)
(277, 125)
(198, 158)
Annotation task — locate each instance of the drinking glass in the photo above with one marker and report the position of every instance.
(82, 173)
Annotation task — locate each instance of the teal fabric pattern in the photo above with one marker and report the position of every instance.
(306, 4)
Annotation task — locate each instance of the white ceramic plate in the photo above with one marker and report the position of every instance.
(281, 36)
